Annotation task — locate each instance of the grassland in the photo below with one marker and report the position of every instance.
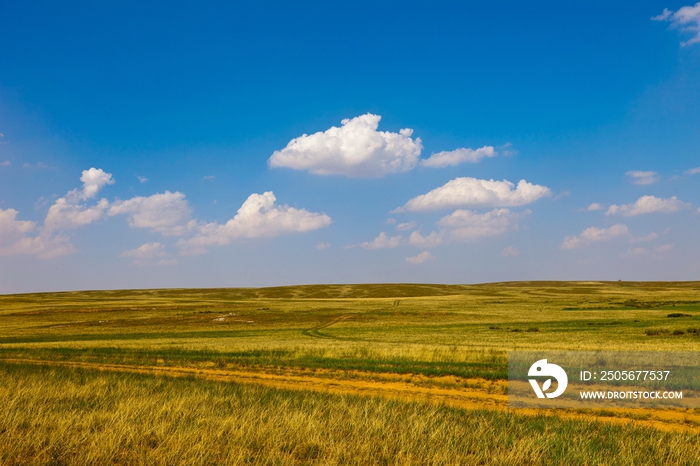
(343, 374)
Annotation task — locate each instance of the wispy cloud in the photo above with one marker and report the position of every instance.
(459, 226)
(406, 226)
(458, 156)
(510, 251)
(146, 251)
(594, 235)
(142, 179)
(642, 177)
(686, 18)
(421, 258)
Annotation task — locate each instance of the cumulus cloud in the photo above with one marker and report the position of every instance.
(21, 237)
(167, 213)
(71, 211)
(471, 192)
(93, 180)
(435, 238)
(10, 226)
(467, 225)
(382, 242)
(648, 205)
(510, 251)
(457, 156)
(593, 235)
(259, 216)
(642, 178)
(146, 251)
(356, 150)
(421, 258)
(595, 206)
(66, 214)
(687, 18)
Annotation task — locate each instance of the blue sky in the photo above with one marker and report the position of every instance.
(181, 145)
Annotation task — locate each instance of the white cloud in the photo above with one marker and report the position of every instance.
(70, 212)
(466, 225)
(421, 258)
(406, 226)
(642, 178)
(471, 192)
(634, 252)
(595, 206)
(355, 150)
(642, 239)
(510, 251)
(457, 156)
(146, 251)
(382, 242)
(692, 171)
(322, 246)
(10, 227)
(391, 221)
(259, 216)
(648, 205)
(167, 213)
(435, 238)
(15, 238)
(93, 180)
(44, 246)
(6, 163)
(208, 178)
(664, 248)
(142, 179)
(593, 234)
(66, 214)
(687, 18)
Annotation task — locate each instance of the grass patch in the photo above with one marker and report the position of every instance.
(83, 417)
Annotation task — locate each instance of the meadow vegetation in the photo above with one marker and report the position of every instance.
(436, 345)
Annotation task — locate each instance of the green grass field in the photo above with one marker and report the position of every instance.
(327, 374)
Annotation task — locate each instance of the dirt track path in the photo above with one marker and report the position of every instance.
(479, 394)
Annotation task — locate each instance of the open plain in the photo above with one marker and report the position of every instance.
(328, 374)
